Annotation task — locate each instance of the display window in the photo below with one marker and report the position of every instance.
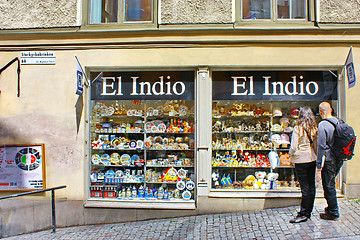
(253, 116)
(142, 136)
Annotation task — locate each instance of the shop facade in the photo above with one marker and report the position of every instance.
(170, 127)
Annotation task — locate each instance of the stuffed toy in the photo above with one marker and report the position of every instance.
(249, 182)
(260, 179)
(272, 178)
(285, 159)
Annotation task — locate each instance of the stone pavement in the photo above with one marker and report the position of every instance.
(260, 224)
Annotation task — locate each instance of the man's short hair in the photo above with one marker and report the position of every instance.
(325, 107)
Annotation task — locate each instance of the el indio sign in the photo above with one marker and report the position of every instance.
(274, 85)
(144, 85)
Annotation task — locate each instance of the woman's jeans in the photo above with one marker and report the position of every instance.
(306, 175)
(328, 174)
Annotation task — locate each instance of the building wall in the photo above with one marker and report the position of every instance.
(19, 14)
(196, 11)
(340, 11)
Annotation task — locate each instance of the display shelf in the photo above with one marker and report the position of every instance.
(119, 117)
(134, 128)
(240, 116)
(107, 133)
(167, 117)
(168, 149)
(117, 149)
(167, 166)
(240, 132)
(240, 149)
(123, 166)
(160, 182)
(252, 167)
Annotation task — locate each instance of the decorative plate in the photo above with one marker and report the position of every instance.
(183, 111)
(148, 126)
(139, 144)
(110, 174)
(172, 172)
(125, 159)
(186, 195)
(182, 173)
(110, 111)
(95, 159)
(116, 142)
(105, 159)
(132, 144)
(190, 185)
(115, 158)
(119, 173)
(135, 157)
(180, 185)
(161, 128)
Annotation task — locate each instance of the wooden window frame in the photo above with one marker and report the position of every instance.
(273, 21)
(121, 23)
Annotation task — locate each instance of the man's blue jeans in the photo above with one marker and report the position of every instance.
(328, 174)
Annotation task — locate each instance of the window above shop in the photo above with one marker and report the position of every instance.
(121, 13)
(274, 11)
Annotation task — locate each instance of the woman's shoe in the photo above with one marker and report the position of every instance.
(299, 219)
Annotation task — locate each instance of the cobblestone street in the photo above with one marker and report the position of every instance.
(261, 224)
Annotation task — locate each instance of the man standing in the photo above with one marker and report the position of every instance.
(326, 161)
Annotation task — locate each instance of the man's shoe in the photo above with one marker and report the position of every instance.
(299, 219)
(328, 216)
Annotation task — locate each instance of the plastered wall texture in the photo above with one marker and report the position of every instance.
(20, 14)
(196, 11)
(340, 11)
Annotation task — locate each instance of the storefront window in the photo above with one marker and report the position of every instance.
(142, 136)
(254, 114)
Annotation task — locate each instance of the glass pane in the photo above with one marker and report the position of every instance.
(291, 9)
(143, 136)
(103, 11)
(138, 10)
(256, 9)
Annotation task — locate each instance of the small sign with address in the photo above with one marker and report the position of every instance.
(38, 58)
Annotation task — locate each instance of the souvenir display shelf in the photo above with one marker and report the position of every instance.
(245, 134)
(142, 151)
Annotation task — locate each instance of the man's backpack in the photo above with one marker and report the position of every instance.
(344, 140)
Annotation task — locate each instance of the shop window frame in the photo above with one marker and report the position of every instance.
(136, 204)
(274, 22)
(282, 193)
(121, 23)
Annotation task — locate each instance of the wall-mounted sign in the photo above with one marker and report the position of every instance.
(274, 85)
(144, 85)
(22, 167)
(38, 58)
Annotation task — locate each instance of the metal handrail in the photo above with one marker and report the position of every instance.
(39, 191)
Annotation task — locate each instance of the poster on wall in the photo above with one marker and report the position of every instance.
(22, 167)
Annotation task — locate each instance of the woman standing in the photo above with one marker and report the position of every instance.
(303, 154)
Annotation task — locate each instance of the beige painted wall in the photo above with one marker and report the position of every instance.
(46, 112)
